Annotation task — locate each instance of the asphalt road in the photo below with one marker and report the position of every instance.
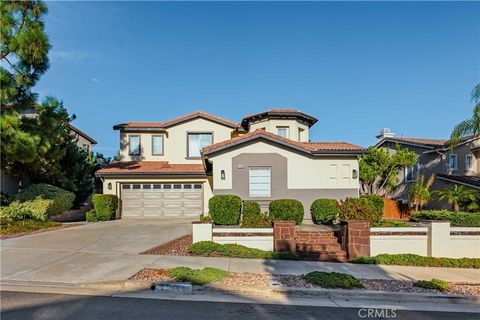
(24, 306)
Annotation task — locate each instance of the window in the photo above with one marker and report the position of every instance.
(282, 131)
(195, 143)
(157, 145)
(452, 162)
(86, 147)
(411, 173)
(125, 186)
(147, 186)
(177, 186)
(134, 145)
(259, 182)
(197, 186)
(157, 186)
(469, 162)
(135, 186)
(167, 186)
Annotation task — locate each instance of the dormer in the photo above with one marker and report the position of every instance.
(288, 123)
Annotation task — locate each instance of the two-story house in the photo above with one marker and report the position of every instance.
(460, 165)
(173, 168)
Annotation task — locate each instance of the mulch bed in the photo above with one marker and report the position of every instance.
(20, 234)
(176, 247)
(263, 280)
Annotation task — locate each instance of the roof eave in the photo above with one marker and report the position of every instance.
(120, 174)
(379, 143)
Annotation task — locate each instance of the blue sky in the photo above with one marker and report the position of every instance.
(357, 67)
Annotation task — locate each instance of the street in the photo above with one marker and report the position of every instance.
(24, 306)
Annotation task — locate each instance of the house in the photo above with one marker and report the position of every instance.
(460, 165)
(173, 168)
(84, 141)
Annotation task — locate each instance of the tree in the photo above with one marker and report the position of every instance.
(469, 126)
(420, 192)
(379, 169)
(455, 195)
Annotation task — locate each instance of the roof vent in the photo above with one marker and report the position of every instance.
(385, 133)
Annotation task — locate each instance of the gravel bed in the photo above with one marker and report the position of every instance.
(176, 247)
(384, 285)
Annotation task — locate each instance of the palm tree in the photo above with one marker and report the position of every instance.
(420, 192)
(455, 195)
(470, 126)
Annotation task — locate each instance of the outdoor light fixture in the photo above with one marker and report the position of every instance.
(222, 174)
(354, 174)
(110, 186)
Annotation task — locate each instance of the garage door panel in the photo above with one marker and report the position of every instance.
(173, 195)
(171, 213)
(191, 213)
(192, 196)
(192, 205)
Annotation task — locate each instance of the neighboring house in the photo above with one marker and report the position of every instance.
(459, 166)
(173, 168)
(84, 141)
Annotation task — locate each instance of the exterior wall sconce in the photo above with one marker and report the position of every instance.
(354, 174)
(222, 174)
(109, 186)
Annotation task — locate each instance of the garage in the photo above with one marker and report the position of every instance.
(161, 199)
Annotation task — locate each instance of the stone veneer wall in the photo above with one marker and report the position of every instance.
(355, 238)
(284, 236)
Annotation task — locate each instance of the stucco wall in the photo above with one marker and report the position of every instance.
(174, 143)
(271, 125)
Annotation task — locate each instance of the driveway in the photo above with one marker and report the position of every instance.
(104, 251)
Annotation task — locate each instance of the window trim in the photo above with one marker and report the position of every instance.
(270, 182)
(406, 172)
(284, 127)
(139, 145)
(196, 132)
(163, 144)
(453, 155)
(472, 168)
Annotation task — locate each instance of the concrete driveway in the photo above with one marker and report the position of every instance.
(104, 251)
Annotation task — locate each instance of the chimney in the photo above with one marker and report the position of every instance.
(385, 133)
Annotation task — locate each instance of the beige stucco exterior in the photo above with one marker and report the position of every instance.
(297, 131)
(303, 171)
(174, 142)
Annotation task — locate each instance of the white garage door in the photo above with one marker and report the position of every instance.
(162, 199)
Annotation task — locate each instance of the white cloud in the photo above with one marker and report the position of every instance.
(96, 80)
(71, 55)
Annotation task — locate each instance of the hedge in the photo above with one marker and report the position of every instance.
(210, 248)
(252, 216)
(457, 219)
(91, 216)
(286, 209)
(436, 284)
(325, 211)
(198, 276)
(105, 206)
(359, 209)
(63, 200)
(332, 280)
(225, 209)
(38, 209)
(407, 259)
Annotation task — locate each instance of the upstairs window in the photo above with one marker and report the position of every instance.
(157, 145)
(411, 173)
(452, 162)
(469, 162)
(86, 147)
(134, 145)
(197, 141)
(282, 132)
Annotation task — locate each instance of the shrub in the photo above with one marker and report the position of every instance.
(63, 200)
(332, 280)
(197, 276)
(205, 217)
(253, 217)
(5, 199)
(27, 225)
(324, 211)
(286, 209)
(390, 224)
(376, 202)
(91, 216)
(225, 209)
(406, 259)
(38, 209)
(359, 209)
(105, 206)
(437, 284)
(457, 219)
(210, 248)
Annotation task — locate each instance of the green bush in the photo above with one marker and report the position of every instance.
(325, 211)
(390, 224)
(437, 284)
(286, 209)
(38, 209)
(375, 202)
(205, 217)
(105, 206)
(91, 216)
(332, 280)
(198, 276)
(28, 225)
(63, 200)
(5, 199)
(253, 217)
(210, 248)
(225, 209)
(359, 209)
(407, 259)
(457, 219)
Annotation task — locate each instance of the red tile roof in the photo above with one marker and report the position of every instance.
(176, 120)
(151, 167)
(312, 147)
